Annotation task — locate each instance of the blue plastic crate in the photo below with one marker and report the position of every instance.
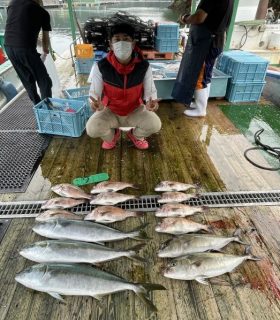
(82, 94)
(244, 92)
(247, 68)
(167, 45)
(224, 58)
(55, 120)
(98, 55)
(83, 66)
(168, 30)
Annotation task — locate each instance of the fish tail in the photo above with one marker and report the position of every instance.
(136, 186)
(205, 208)
(140, 214)
(197, 185)
(248, 252)
(237, 235)
(150, 306)
(142, 290)
(138, 233)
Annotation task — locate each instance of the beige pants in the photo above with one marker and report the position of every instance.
(102, 123)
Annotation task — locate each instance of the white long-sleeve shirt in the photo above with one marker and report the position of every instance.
(96, 87)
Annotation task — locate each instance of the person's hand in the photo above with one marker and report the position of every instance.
(96, 105)
(152, 105)
(183, 18)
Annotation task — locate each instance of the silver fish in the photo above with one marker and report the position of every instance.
(111, 186)
(194, 243)
(69, 191)
(69, 251)
(168, 197)
(110, 198)
(57, 213)
(62, 203)
(179, 210)
(168, 186)
(109, 214)
(180, 226)
(84, 231)
(81, 280)
(200, 266)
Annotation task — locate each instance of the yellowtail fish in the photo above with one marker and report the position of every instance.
(200, 266)
(81, 280)
(195, 243)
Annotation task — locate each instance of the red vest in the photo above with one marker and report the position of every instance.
(123, 84)
(2, 56)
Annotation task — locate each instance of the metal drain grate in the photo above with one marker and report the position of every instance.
(19, 116)
(29, 209)
(20, 152)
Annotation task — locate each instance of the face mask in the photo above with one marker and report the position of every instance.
(122, 49)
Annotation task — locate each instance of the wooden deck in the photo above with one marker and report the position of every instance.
(209, 151)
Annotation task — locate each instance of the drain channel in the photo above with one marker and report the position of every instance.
(29, 209)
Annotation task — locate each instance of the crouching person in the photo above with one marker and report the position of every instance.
(122, 93)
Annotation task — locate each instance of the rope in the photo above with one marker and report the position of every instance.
(272, 151)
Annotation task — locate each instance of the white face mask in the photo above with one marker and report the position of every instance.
(122, 49)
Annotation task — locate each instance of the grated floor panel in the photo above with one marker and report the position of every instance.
(19, 116)
(29, 209)
(20, 152)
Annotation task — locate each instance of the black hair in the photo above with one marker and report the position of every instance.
(122, 28)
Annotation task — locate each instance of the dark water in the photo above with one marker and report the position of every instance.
(61, 34)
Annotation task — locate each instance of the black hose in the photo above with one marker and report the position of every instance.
(272, 151)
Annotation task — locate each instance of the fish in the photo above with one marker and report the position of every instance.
(81, 280)
(57, 213)
(168, 186)
(168, 197)
(195, 243)
(201, 266)
(180, 226)
(69, 251)
(85, 231)
(111, 186)
(69, 191)
(62, 203)
(109, 214)
(111, 198)
(179, 210)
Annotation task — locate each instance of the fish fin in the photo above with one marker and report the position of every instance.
(150, 306)
(101, 243)
(137, 248)
(136, 186)
(220, 282)
(56, 296)
(237, 234)
(134, 257)
(201, 279)
(151, 286)
(140, 214)
(98, 297)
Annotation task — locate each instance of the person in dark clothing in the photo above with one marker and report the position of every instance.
(25, 19)
(205, 42)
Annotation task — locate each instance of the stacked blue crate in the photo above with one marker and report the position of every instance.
(167, 37)
(247, 73)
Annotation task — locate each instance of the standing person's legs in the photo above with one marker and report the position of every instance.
(40, 74)
(17, 57)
